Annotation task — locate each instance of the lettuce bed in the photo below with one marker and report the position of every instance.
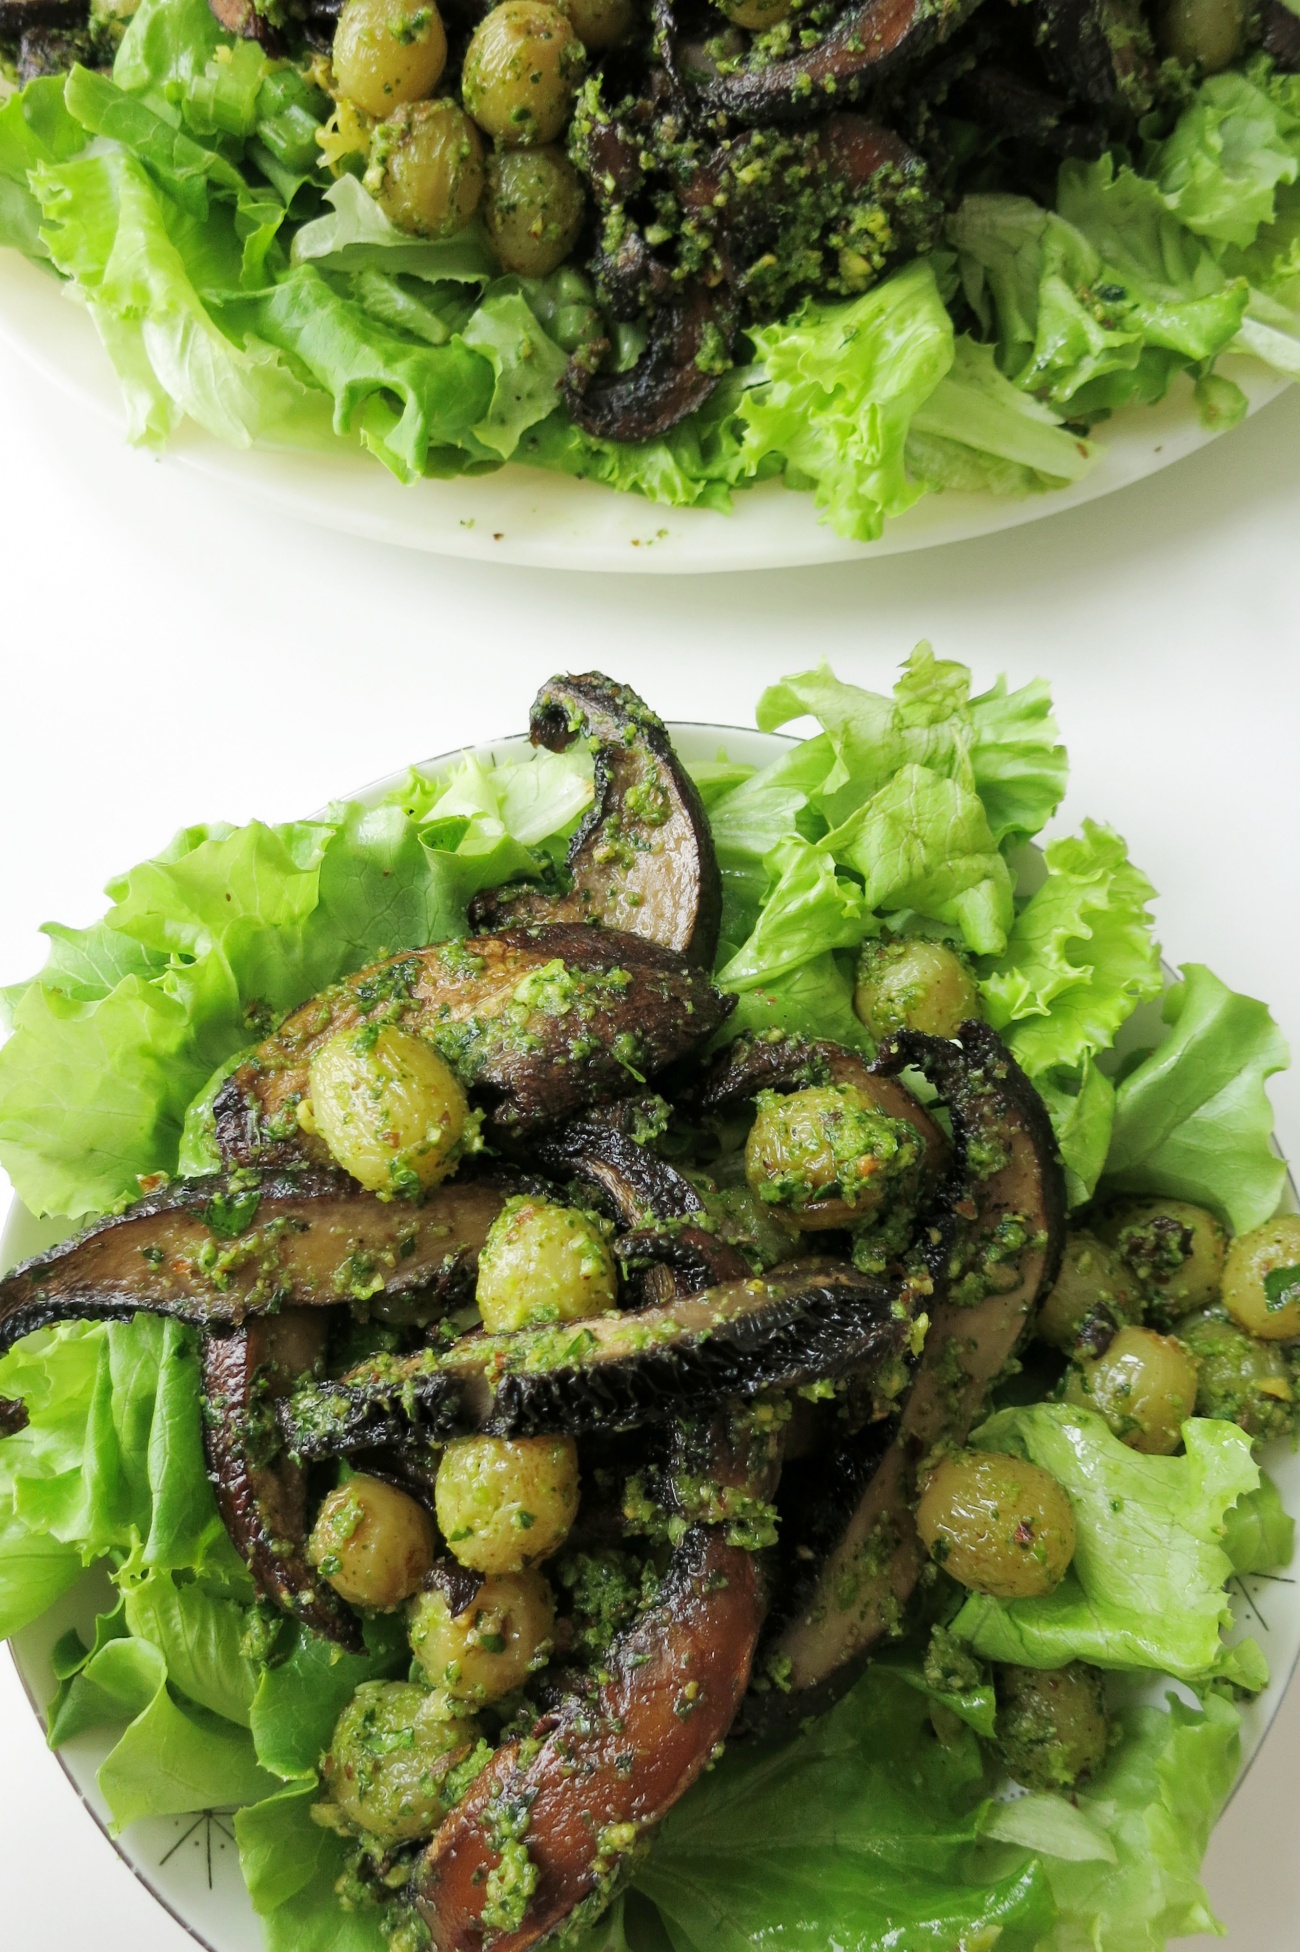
(181, 200)
(914, 806)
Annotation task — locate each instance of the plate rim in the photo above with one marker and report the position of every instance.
(488, 750)
(628, 535)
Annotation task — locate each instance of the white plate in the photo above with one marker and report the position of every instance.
(527, 515)
(190, 1863)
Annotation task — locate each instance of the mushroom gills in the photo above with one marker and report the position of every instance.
(642, 859)
(536, 1022)
(611, 1372)
(994, 1240)
(261, 1494)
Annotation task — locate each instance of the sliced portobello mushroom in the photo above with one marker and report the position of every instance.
(243, 19)
(612, 1371)
(687, 352)
(642, 859)
(214, 1250)
(993, 1241)
(262, 1494)
(537, 1022)
(1098, 51)
(611, 1764)
(871, 41)
(1280, 34)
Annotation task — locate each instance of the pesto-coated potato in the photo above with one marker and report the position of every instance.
(504, 1503)
(1240, 1378)
(601, 24)
(912, 983)
(388, 1758)
(534, 209)
(1145, 1387)
(521, 69)
(1261, 1279)
(543, 1262)
(1052, 1730)
(1092, 1276)
(372, 1543)
(826, 1157)
(1209, 34)
(1174, 1250)
(389, 1109)
(387, 52)
(426, 168)
(998, 1524)
(493, 1645)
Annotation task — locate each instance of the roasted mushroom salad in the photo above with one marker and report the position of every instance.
(634, 1336)
(875, 248)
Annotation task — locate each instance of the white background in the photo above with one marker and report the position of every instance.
(170, 657)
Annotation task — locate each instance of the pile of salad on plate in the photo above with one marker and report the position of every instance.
(876, 248)
(664, 1356)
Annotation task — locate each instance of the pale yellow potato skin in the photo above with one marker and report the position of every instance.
(372, 1543)
(534, 209)
(1208, 33)
(1196, 1280)
(387, 52)
(912, 984)
(997, 1524)
(392, 1113)
(426, 171)
(1145, 1387)
(491, 1647)
(521, 68)
(1092, 1275)
(504, 1503)
(1251, 1258)
(390, 1750)
(791, 1157)
(601, 24)
(543, 1262)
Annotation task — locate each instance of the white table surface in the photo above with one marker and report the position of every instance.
(168, 657)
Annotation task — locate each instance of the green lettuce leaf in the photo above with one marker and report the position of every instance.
(35, 127)
(1082, 1110)
(840, 385)
(1193, 1119)
(1259, 1533)
(1080, 958)
(697, 463)
(1146, 1587)
(888, 1849)
(199, 1634)
(1220, 169)
(527, 364)
(299, 1700)
(356, 236)
(811, 909)
(978, 431)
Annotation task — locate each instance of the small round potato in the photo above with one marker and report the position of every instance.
(1261, 1279)
(997, 1524)
(521, 69)
(390, 1110)
(1209, 34)
(372, 1543)
(504, 1503)
(1239, 1378)
(756, 15)
(912, 983)
(827, 1157)
(493, 1645)
(601, 24)
(387, 52)
(1173, 1249)
(534, 209)
(1052, 1730)
(388, 1758)
(543, 1262)
(1144, 1386)
(427, 168)
(1092, 1276)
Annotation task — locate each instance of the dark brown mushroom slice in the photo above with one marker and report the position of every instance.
(786, 1064)
(995, 1238)
(613, 1372)
(1098, 51)
(642, 860)
(1002, 102)
(243, 19)
(693, 1259)
(871, 40)
(604, 1146)
(537, 1022)
(1280, 34)
(56, 51)
(686, 354)
(262, 1494)
(18, 17)
(623, 1756)
(214, 1250)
